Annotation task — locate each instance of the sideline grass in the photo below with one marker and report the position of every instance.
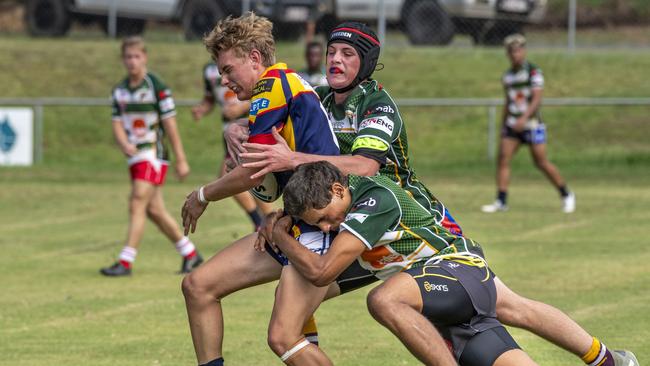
(58, 310)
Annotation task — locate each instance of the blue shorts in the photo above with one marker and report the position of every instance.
(532, 136)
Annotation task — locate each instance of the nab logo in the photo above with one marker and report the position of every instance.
(428, 287)
(384, 108)
(370, 202)
(7, 136)
(258, 105)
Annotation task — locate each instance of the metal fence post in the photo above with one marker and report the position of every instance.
(572, 27)
(38, 133)
(112, 19)
(492, 132)
(381, 21)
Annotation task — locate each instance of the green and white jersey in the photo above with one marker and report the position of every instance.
(141, 110)
(217, 92)
(369, 123)
(519, 85)
(398, 232)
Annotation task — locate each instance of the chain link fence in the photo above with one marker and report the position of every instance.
(457, 23)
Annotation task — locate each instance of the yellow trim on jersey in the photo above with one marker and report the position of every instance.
(287, 133)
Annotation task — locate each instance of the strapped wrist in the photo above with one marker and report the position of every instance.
(201, 195)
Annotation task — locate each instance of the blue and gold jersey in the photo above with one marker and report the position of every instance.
(283, 100)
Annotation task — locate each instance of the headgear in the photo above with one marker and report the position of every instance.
(364, 40)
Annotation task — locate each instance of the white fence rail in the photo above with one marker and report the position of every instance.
(491, 105)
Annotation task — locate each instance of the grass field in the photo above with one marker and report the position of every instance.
(63, 219)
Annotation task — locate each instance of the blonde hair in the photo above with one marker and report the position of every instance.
(514, 40)
(133, 41)
(242, 35)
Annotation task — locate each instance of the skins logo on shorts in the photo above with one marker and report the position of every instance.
(428, 287)
(383, 124)
(263, 86)
(258, 105)
(369, 204)
(380, 108)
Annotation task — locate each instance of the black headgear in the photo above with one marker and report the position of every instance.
(364, 40)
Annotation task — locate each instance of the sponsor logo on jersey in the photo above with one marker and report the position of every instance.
(263, 86)
(383, 124)
(369, 204)
(380, 108)
(356, 216)
(258, 105)
(428, 287)
(166, 93)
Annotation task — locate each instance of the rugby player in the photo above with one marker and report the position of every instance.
(433, 277)
(523, 84)
(143, 114)
(244, 51)
(232, 109)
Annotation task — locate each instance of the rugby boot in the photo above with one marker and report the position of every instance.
(569, 203)
(190, 263)
(117, 269)
(497, 206)
(624, 358)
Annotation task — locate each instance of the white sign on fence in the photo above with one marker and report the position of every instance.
(16, 136)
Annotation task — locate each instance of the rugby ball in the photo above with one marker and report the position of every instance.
(269, 190)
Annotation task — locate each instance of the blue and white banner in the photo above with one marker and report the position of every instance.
(16, 136)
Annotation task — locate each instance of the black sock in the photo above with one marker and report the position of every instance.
(215, 362)
(255, 217)
(502, 196)
(564, 191)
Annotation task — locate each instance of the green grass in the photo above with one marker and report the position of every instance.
(63, 219)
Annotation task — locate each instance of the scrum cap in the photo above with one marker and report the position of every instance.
(364, 40)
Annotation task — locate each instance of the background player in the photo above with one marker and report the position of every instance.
(143, 114)
(522, 124)
(232, 109)
(314, 73)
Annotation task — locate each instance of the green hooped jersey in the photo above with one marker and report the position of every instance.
(141, 110)
(368, 123)
(398, 232)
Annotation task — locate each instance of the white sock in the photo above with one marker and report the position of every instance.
(185, 246)
(128, 254)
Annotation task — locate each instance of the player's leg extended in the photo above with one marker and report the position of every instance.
(507, 150)
(141, 194)
(397, 305)
(296, 300)
(157, 212)
(538, 152)
(514, 357)
(549, 323)
(235, 267)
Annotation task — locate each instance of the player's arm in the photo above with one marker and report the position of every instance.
(122, 139)
(235, 181)
(235, 109)
(204, 107)
(279, 157)
(536, 101)
(320, 270)
(171, 129)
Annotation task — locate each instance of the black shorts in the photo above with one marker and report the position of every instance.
(532, 136)
(460, 300)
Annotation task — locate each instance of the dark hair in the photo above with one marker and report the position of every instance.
(313, 44)
(310, 187)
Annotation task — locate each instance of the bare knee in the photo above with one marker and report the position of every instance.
(379, 305)
(154, 213)
(195, 290)
(279, 339)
